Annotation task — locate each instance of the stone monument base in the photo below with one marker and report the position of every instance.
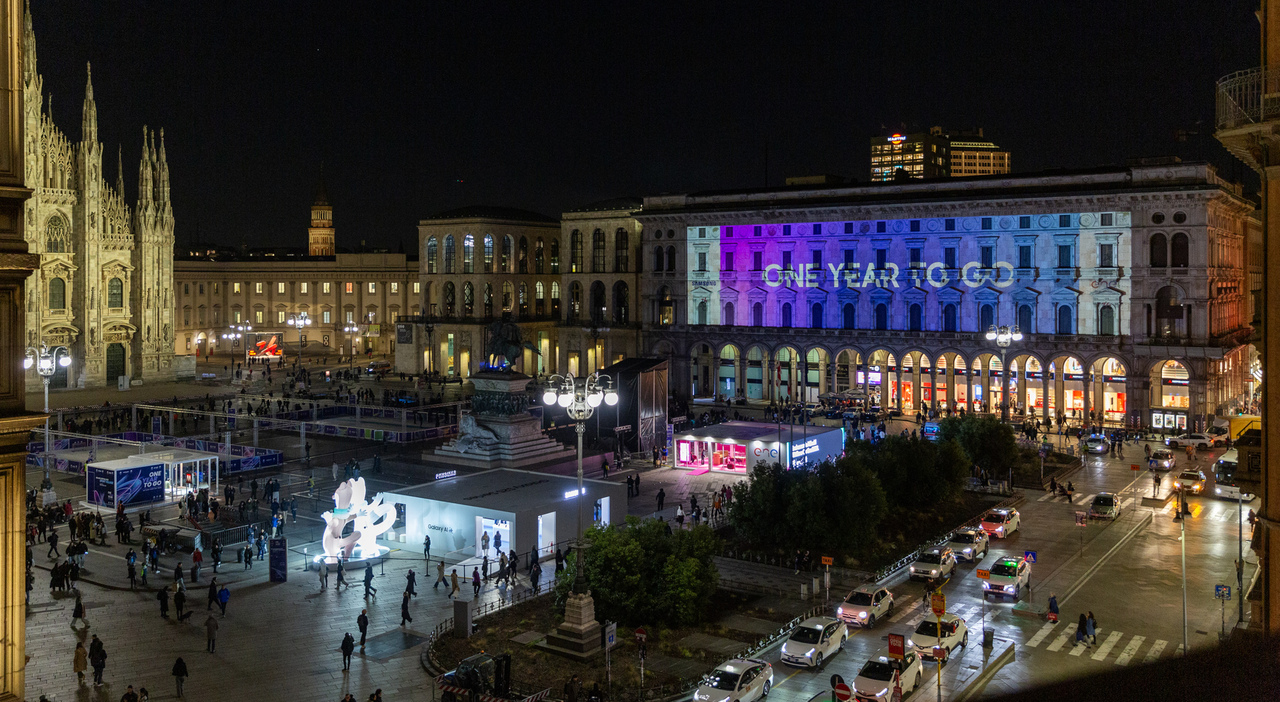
(579, 636)
(512, 439)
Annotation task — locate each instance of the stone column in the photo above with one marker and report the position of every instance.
(968, 388)
(1084, 383)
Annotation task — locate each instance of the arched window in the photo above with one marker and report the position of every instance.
(621, 303)
(468, 299)
(882, 316)
(508, 295)
(1159, 251)
(597, 251)
(432, 250)
(524, 299)
(1178, 250)
(621, 252)
(1106, 320)
(659, 261)
(666, 307)
(575, 252)
(575, 301)
(1066, 319)
(757, 314)
(914, 316)
(949, 317)
(671, 258)
(849, 316)
(507, 245)
(539, 299)
(1025, 320)
(555, 299)
(727, 319)
(488, 253)
(450, 254)
(57, 294)
(597, 302)
(57, 236)
(555, 258)
(488, 299)
(523, 258)
(786, 315)
(815, 315)
(539, 257)
(986, 318)
(115, 293)
(468, 254)
(449, 297)
(702, 312)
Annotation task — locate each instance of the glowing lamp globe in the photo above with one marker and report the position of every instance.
(27, 363)
(594, 399)
(564, 400)
(611, 398)
(64, 361)
(549, 397)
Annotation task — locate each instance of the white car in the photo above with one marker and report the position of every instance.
(865, 605)
(1097, 444)
(1200, 441)
(1163, 459)
(813, 641)
(736, 680)
(875, 681)
(935, 564)
(969, 544)
(1007, 577)
(1190, 480)
(1001, 522)
(1105, 505)
(953, 634)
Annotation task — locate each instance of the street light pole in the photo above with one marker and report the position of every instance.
(300, 321)
(46, 362)
(1004, 336)
(580, 397)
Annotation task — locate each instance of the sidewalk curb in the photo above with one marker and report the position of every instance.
(980, 681)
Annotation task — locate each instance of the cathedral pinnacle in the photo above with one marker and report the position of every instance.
(90, 125)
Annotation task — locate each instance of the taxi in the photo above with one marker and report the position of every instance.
(813, 641)
(1001, 522)
(736, 680)
(1007, 577)
(875, 680)
(1190, 480)
(949, 633)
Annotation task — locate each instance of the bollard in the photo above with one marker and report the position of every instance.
(988, 638)
(816, 588)
(804, 591)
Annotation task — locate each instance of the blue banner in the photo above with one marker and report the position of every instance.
(141, 485)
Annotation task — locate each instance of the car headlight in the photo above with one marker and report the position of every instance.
(968, 550)
(1009, 588)
(882, 693)
(1217, 490)
(862, 615)
(933, 572)
(911, 643)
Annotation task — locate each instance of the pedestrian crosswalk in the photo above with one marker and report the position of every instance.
(1107, 645)
(1212, 512)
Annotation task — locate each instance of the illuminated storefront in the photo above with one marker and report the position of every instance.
(1171, 396)
(736, 447)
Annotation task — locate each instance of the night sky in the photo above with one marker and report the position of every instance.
(417, 107)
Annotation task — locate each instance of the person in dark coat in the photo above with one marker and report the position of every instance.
(368, 580)
(163, 596)
(180, 673)
(348, 646)
(97, 659)
(404, 610)
(362, 622)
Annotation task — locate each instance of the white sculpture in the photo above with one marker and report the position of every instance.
(472, 435)
(371, 518)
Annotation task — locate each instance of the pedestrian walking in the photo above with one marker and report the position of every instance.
(323, 572)
(1092, 628)
(630, 486)
(440, 575)
(348, 646)
(411, 583)
(484, 568)
(211, 633)
(180, 673)
(368, 580)
(77, 612)
(1053, 607)
(535, 575)
(404, 605)
(453, 580)
(248, 557)
(80, 661)
(180, 603)
(163, 596)
(362, 622)
(1081, 626)
(53, 545)
(484, 542)
(426, 547)
(662, 497)
(475, 581)
(97, 659)
(224, 595)
(680, 516)
(197, 560)
(213, 594)
(497, 541)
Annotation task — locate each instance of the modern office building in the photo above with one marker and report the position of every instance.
(920, 155)
(1128, 283)
(973, 155)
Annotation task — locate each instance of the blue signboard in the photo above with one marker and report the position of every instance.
(1222, 592)
(1030, 556)
(101, 486)
(278, 558)
(140, 485)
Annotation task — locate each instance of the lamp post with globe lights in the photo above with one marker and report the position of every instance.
(300, 321)
(580, 397)
(46, 361)
(353, 330)
(1003, 336)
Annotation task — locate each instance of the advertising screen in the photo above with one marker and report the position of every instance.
(140, 485)
(101, 486)
(816, 449)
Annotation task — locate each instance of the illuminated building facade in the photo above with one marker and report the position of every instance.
(921, 155)
(973, 155)
(1128, 283)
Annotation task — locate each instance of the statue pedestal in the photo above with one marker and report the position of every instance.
(505, 434)
(579, 636)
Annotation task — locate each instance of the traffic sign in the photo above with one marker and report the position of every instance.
(897, 692)
(938, 601)
(842, 692)
(984, 574)
(610, 635)
(1134, 466)
(1030, 556)
(1082, 519)
(641, 634)
(897, 646)
(828, 560)
(1222, 592)
(836, 680)
(940, 653)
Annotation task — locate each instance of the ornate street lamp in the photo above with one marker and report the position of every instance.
(300, 321)
(353, 330)
(580, 397)
(1003, 336)
(46, 362)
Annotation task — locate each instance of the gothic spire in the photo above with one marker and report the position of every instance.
(89, 127)
(145, 183)
(162, 173)
(120, 171)
(28, 44)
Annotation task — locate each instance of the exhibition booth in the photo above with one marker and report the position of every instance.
(150, 477)
(524, 508)
(736, 447)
